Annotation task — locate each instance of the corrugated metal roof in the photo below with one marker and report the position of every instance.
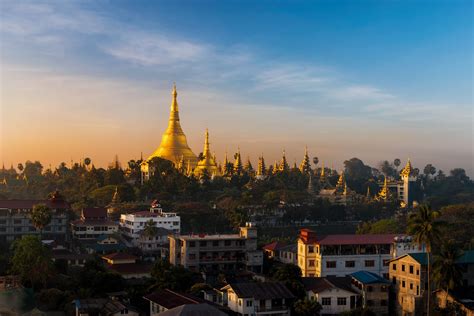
(367, 277)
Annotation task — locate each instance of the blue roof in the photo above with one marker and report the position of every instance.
(367, 277)
(422, 258)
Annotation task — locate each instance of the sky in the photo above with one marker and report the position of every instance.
(376, 80)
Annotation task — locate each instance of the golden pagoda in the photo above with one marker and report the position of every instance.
(207, 164)
(407, 171)
(174, 145)
(248, 166)
(341, 183)
(283, 166)
(261, 170)
(238, 163)
(384, 193)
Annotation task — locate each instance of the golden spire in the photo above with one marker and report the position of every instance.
(238, 163)
(322, 170)
(283, 163)
(207, 164)
(384, 192)
(261, 166)
(305, 166)
(116, 197)
(341, 182)
(248, 165)
(225, 164)
(407, 170)
(189, 170)
(173, 142)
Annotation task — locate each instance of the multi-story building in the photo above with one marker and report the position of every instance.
(258, 298)
(340, 255)
(409, 282)
(15, 218)
(158, 244)
(281, 252)
(93, 224)
(217, 252)
(131, 225)
(373, 290)
(335, 294)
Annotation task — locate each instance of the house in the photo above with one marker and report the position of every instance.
(105, 244)
(340, 255)
(460, 299)
(15, 219)
(281, 252)
(166, 299)
(92, 224)
(217, 252)
(258, 298)
(102, 307)
(69, 258)
(373, 290)
(193, 310)
(127, 266)
(409, 282)
(335, 294)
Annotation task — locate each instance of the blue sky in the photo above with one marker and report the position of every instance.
(372, 79)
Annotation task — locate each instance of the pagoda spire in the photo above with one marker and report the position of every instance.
(238, 163)
(384, 192)
(207, 164)
(225, 164)
(248, 165)
(305, 166)
(261, 167)
(283, 163)
(341, 182)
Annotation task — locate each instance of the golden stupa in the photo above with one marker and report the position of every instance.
(208, 163)
(174, 146)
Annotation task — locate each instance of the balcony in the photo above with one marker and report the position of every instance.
(272, 310)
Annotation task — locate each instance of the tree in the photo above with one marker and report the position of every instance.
(429, 170)
(40, 217)
(315, 161)
(305, 307)
(150, 229)
(290, 275)
(446, 272)
(424, 228)
(397, 162)
(31, 260)
(173, 277)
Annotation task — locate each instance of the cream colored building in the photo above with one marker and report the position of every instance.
(217, 252)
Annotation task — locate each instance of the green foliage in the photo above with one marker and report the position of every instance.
(305, 307)
(40, 216)
(359, 312)
(31, 260)
(290, 275)
(172, 277)
(383, 226)
(198, 287)
(446, 273)
(53, 299)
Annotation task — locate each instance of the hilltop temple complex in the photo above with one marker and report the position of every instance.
(174, 147)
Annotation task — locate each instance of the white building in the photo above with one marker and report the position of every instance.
(341, 255)
(335, 294)
(132, 224)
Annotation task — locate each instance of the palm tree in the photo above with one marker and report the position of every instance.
(150, 229)
(40, 217)
(446, 273)
(424, 228)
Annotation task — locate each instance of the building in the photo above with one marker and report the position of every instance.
(158, 244)
(258, 298)
(103, 307)
(335, 294)
(217, 252)
(402, 189)
(341, 255)
(92, 224)
(409, 282)
(105, 244)
(163, 300)
(132, 225)
(373, 290)
(127, 266)
(460, 300)
(15, 219)
(282, 252)
(174, 146)
(340, 194)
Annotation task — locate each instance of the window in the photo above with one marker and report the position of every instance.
(394, 266)
(192, 244)
(330, 264)
(417, 290)
(341, 301)
(310, 249)
(411, 269)
(403, 283)
(226, 242)
(249, 303)
(326, 301)
(369, 263)
(202, 244)
(411, 286)
(240, 302)
(215, 243)
(311, 263)
(350, 264)
(403, 267)
(417, 271)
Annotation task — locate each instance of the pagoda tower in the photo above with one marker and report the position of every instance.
(384, 193)
(305, 166)
(173, 142)
(207, 164)
(238, 164)
(408, 177)
(261, 170)
(283, 163)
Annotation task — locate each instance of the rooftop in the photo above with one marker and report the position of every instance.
(210, 237)
(274, 246)
(318, 285)
(94, 212)
(151, 214)
(310, 237)
(367, 277)
(28, 204)
(170, 299)
(421, 257)
(260, 290)
(193, 310)
(119, 256)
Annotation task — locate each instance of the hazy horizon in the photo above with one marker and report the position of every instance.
(376, 81)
